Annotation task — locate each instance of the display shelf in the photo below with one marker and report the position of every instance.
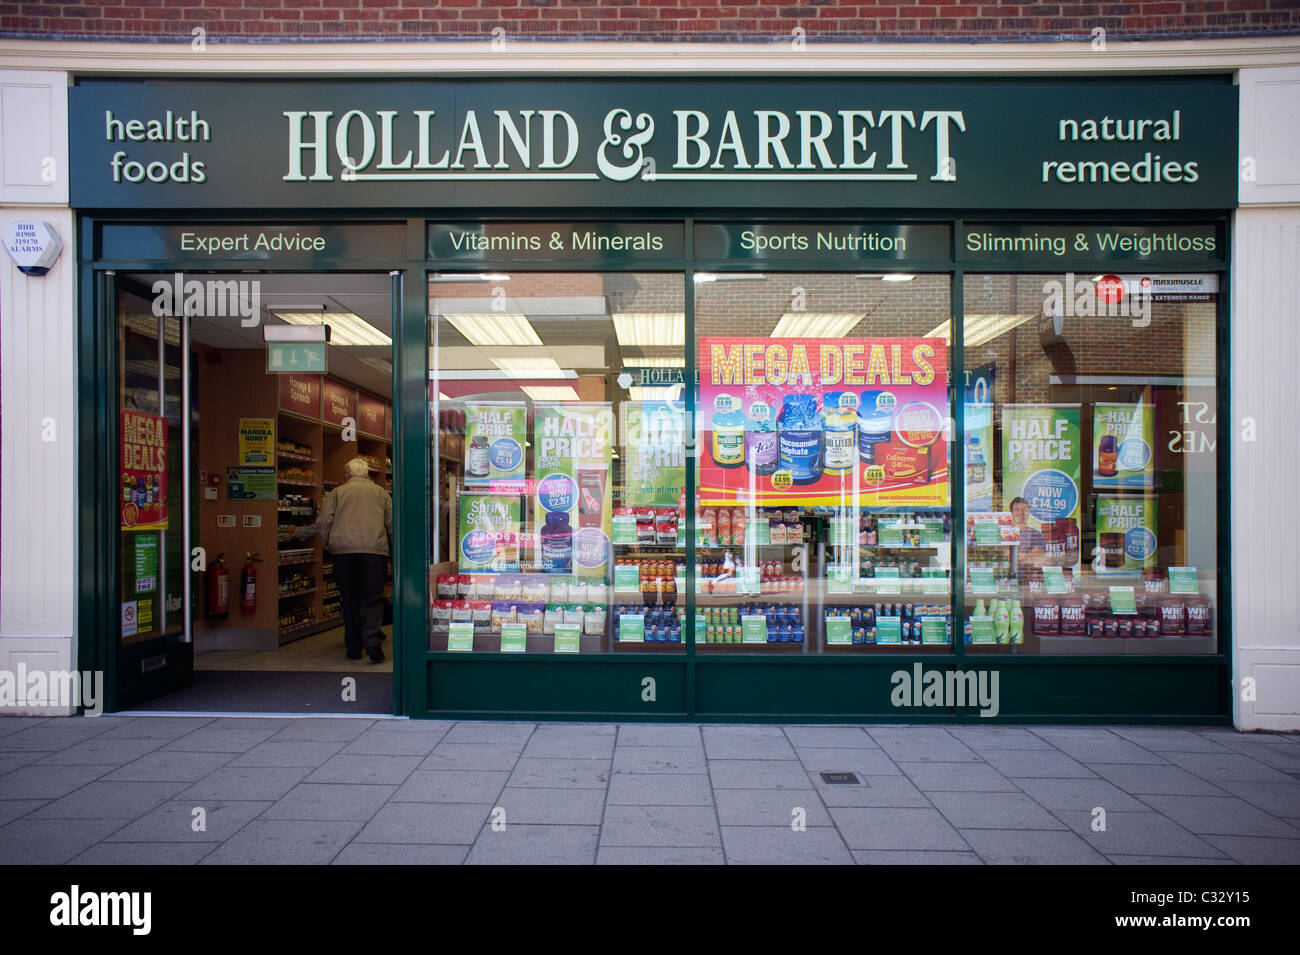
(295, 483)
(288, 594)
(295, 561)
(296, 627)
(299, 458)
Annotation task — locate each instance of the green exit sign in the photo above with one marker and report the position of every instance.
(285, 357)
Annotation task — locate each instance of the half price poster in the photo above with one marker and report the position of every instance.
(1123, 437)
(855, 422)
(142, 484)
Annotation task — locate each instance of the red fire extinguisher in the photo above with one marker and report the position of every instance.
(218, 589)
(248, 584)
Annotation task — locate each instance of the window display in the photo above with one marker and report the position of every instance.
(557, 401)
(1090, 466)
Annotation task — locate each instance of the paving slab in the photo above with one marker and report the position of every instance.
(1040, 764)
(452, 785)
(176, 821)
(108, 800)
(758, 774)
(561, 773)
(422, 823)
(657, 855)
(324, 730)
(1168, 739)
(284, 842)
(683, 826)
(324, 801)
(1111, 749)
(490, 733)
(144, 853)
(569, 807)
(48, 782)
(826, 737)
(1232, 766)
(771, 807)
(1220, 815)
(246, 782)
(1159, 780)
(182, 767)
(305, 753)
(659, 759)
(752, 845)
(746, 742)
(157, 727)
(569, 745)
(896, 829)
(938, 750)
(380, 742)
(468, 756)
(1137, 833)
(1278, 799)
(11, 761)
(535, 845)
(55, 734)
(1082, 794)
(365, 769)
(218, 737)
(864, 762)
(370, 853)
(659, 734)
(1255, 850)
(11, 809)
(98, 751)
(906, 857)
(50, 841)
(660, 789)
(957, 777)
(873, 792)
(993, 810)
(983, 738)
(1032, 847)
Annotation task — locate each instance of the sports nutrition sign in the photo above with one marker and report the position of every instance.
(1052, 144)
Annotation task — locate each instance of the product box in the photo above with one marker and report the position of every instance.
(903, 462)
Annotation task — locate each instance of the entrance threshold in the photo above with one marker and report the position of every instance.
(353, 692)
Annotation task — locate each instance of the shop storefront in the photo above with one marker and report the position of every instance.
(846, 399)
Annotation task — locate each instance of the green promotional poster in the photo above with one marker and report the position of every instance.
(654, 436)
(1126, 534)
(488, 533)
(572, 445)
(1041, 473)
(1123, 437)
(494, 442)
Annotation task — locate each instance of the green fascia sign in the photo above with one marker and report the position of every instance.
(847, 143)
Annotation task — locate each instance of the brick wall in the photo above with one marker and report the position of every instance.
(654, 20)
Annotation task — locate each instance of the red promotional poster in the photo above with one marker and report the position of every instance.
(850, 422)
(143, 481)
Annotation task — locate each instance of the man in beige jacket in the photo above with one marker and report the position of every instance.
(356, 525)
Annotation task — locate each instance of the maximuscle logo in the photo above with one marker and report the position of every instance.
(77, 908)
(52, 688)
(946, 689)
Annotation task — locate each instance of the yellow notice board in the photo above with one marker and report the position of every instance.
(257, 441)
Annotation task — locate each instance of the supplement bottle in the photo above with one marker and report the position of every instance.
(760, 439)
(557, 543)
(799, 443)
(840, 422)
(875, 424)
(728, 433)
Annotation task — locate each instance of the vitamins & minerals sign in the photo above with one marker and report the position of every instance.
(850, 422)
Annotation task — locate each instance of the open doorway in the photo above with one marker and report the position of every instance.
(273, 430)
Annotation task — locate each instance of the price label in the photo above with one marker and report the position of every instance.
(934, 585)
(932, 532)
(627, 578)
(566, 638)
(624, 528)
(747, 580)
(1122, 600)
(761, 531)
(889, 630)
(844, 530)
(890, 536)
(1054, 580)
(461, 635)
(987, 533)
(631, 628)
(839, 631)
(514, 638)
(934, 630)
(1182, 580)
(981, 629)
(701, 627)
(839, 580)
(981, 580)
(753, 628)
(887, 581)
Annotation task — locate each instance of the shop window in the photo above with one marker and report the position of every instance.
(558, 409)
(823, 512)
(1090, 464)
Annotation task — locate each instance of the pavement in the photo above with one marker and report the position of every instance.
(184, 790)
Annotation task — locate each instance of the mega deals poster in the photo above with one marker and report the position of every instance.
(143, 481)
(1041, 462)
(857, 421)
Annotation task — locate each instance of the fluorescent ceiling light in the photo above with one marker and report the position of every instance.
(650, 329)
(314, 332)
(653, 361)
(345, 327)
(727, 276)
(815, 324)
(540, 367)
(655, 393)
(896, 277)
(981, 329)
(493, 328)
(472, 277)
(550, 392)
(443, 397)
